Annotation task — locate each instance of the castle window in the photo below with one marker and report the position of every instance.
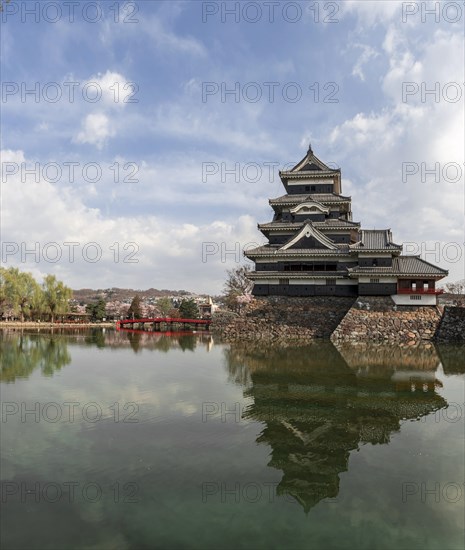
(374, 280)
(283, 281)
(415, 297)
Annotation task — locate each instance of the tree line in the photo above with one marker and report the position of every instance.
(23, 298)
(187, 309)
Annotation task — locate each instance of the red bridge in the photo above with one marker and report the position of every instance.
(158, 321)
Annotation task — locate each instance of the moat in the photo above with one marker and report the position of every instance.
(122, 440)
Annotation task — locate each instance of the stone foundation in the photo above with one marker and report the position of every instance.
(275, 318)
(279, 319)
(452, 325)
(378, 319)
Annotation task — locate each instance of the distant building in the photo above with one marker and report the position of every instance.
(207, 308)
(315, 249)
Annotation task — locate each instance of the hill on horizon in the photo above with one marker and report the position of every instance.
(124, 294)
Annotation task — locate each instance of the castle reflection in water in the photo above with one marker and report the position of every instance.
(316, 403)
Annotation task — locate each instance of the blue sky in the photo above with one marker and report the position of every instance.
(368, 61)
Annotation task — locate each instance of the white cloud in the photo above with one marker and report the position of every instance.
(115, 88)
(202, 122)
(367, 54)
(169, 254)
(373, 12)
(115, 92)
(416, 130)
(96, 130)
(156, 30)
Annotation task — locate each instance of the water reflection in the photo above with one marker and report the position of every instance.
(22, 354)
(452, 358)
(319, 403)
(23, 351)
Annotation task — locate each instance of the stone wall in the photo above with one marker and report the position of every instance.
(377, 318)
(278, 318)
(452, 325)
(367, 319)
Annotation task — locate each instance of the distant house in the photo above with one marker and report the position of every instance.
(315, 249)
(206, 309)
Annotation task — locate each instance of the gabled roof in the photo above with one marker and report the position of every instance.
(311, 166)
(308, 231)
(375, 239)
(310, 163)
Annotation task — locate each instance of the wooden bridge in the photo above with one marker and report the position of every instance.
(168, 324)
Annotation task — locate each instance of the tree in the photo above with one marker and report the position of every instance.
(164, 305)
(98, 310)
(135, 311)
(37, 304)
(188, 309)
(457, 290)
(174, 313)
(20, 290)
(56, 296)
(236, 286)
(3, 293)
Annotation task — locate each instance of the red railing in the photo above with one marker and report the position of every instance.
(420, 291)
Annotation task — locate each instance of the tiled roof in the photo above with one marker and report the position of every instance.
(414, 264)
(376, 239)
(403, 265)
(319, 197)
(338, 224)
(273, 250)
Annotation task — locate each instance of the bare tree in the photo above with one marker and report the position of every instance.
(457, 290)
(237, 285)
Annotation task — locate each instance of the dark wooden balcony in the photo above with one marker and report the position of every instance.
(420, 291)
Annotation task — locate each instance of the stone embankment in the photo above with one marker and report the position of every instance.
(279, 318)
(370, 318)
(379, 319)
(452, 325)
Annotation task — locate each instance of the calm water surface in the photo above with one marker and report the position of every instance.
(127, 440)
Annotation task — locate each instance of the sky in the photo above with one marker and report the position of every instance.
(141, 141)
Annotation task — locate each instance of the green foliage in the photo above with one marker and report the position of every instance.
(97, 311)
(135, 310)
(21, 296)
(21, 354)
(164, 305)
(3, 293)
(56, 295)
(188, 309)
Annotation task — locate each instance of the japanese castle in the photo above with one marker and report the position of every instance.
(315, 249)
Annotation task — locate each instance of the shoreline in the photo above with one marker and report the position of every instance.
(35, 324)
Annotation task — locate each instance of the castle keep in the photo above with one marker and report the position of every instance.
(316, 249)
